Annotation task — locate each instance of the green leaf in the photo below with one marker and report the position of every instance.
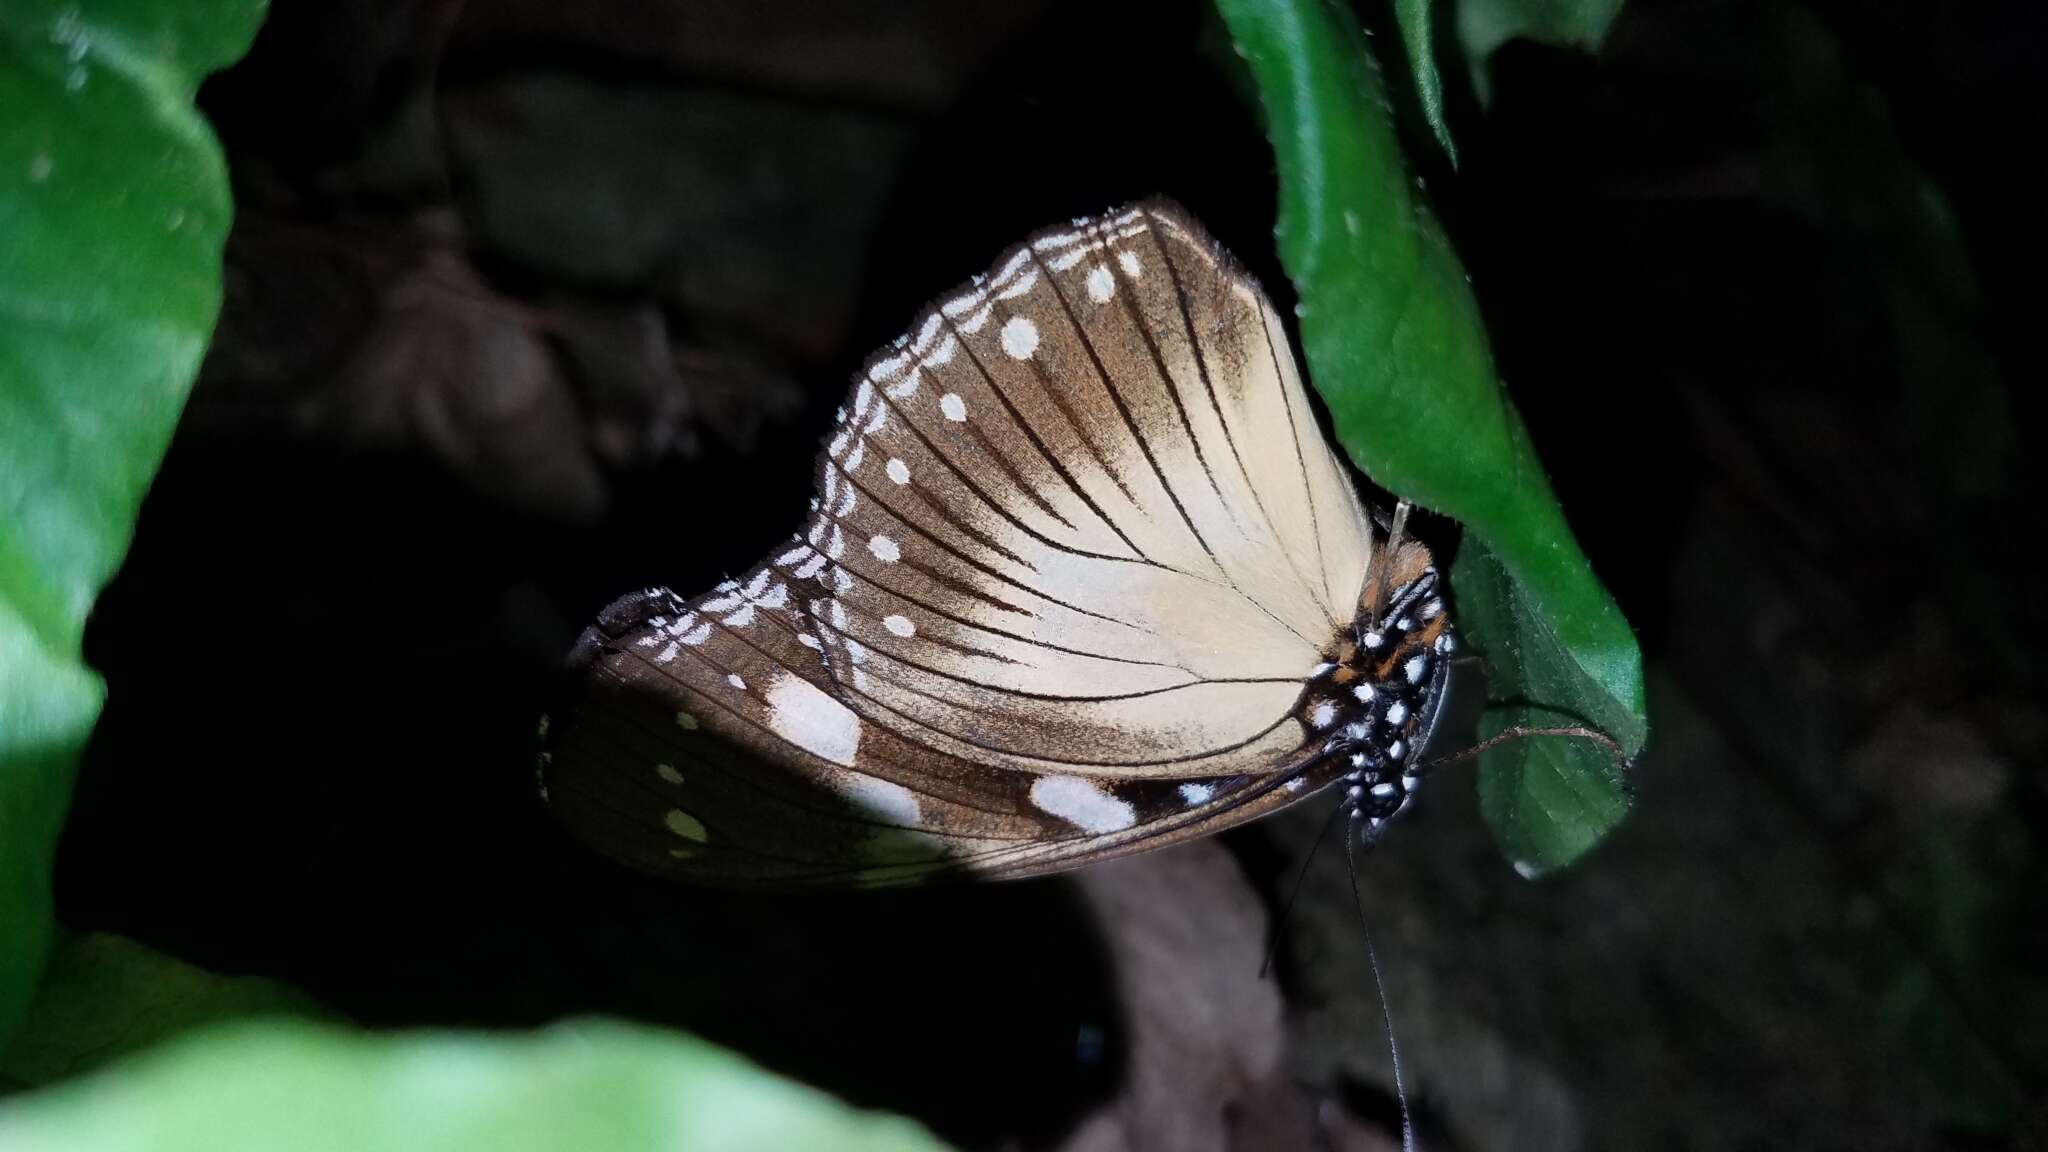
(595, 1086)
(1396, 348)
(1548, 799)
(114, 205)
(1485, 25)
(1417, 19)
(106, 996)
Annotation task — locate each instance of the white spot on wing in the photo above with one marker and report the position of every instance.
(898, 471)
(884, 549)
(881, 800)
(1082, 803)
(808, 718)
(686, 721)
(733, 678)
(953, 406)
(1128, 260)
(1020, 337)
(1101, 283)
(1322, 714)
(900, 625)
(1196, 793)
(668, 772)
(685, 825)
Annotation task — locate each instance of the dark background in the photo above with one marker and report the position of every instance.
(531, 304)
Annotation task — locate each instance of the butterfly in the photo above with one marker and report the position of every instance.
(1082, 577)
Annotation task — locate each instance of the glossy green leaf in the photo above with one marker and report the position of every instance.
(589, 1086)
(1548, 799)
(104, 996)
(1417, 19)
(1396, 348)
(114, 205)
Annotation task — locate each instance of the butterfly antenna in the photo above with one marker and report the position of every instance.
(1372, 957)
(1518, 732)
(1294, 893)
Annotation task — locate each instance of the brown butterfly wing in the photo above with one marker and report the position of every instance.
(670, 766)
(1076, 548)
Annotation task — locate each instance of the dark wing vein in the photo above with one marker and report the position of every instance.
(1031, 434)
(1316, 585)
(988, 571)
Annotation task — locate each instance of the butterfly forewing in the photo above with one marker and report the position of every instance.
(1077, 547)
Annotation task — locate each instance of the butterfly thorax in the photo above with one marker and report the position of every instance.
(1372, 704)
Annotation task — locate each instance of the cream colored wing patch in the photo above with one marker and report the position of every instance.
(1081, 519)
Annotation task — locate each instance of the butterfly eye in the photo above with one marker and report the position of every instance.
(1081, 577)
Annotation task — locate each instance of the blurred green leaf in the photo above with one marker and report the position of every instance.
(1396, 348)
(106, 996)
(1835, 155)
(590, 1086)
(1964, 878)
(1485, 25)
(114, 205)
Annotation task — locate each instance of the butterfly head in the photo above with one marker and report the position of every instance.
(1371, 706)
